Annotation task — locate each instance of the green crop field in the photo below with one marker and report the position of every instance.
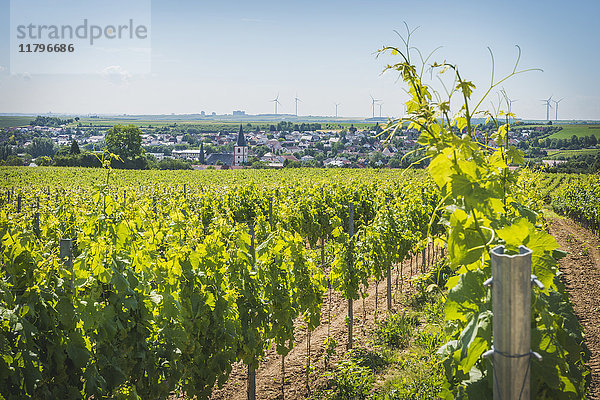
(13, 121)
(211, 125)
(556, 154)
(569, 130)
(578, 130)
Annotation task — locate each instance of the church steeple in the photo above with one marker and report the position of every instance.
(240, 150)
(241, 140)
(201, 158)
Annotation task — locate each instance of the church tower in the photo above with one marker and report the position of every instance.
(240, 150)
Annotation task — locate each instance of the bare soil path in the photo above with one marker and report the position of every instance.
(581, 269)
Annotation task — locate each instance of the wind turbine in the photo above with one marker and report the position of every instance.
(296, 99)
(380, 104)
(336, 107)
(373, 101)
(548, 107)
(276, 101)
(556, 109)
(510, 104)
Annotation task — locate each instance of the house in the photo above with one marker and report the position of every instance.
(187, 154)
(289, 158)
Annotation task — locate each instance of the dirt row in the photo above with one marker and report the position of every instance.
(581, 275)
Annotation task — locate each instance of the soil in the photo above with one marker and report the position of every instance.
(581, 275)
(268, 375)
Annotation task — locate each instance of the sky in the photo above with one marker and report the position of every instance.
(239, 55)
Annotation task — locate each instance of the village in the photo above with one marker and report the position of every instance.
(264, 148)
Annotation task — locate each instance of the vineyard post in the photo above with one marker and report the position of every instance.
(19, 203)
(271, 212)
(251, 370)
(389, 278)
(185, 190)
(511, 304)
(66, 255)
(350, 311)
(36, 223)
(423, 260)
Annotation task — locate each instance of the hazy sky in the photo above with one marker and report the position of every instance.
(238, 55)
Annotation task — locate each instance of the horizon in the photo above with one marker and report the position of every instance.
(323, 54)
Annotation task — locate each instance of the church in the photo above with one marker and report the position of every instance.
(239, 156)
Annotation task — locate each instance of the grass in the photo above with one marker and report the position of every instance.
(400, 361)
(9, 121)
(579, 130)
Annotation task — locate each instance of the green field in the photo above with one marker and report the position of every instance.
(13, 121)
(203, 124)
(555, 154)
(168, 121)
(569, 130)
(578, 130)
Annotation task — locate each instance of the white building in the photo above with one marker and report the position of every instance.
(187, 154)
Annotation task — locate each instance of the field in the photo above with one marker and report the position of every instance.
(555, 154)
(569, 130)
(201, 124)
(210, 275)
(14, 121)
(578, 130)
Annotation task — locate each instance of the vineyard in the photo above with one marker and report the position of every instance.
(167, 287)
(580, 200)
(155, 285)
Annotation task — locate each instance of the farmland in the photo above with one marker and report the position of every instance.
(14, 121)
(579, 130)
(145, 241)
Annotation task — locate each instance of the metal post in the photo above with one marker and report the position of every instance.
(389, 277)
(251, 370)
(36, 223)
(271, 212)
(511, 302)
(66, 255)
(350, 307)
(185, 190)
(19, 203)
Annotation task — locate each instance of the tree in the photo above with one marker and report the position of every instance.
(124, 140)
(5, 151)
(74, 147)
(41, 147)
(14, 161)
(201, 159)
(43, 161)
